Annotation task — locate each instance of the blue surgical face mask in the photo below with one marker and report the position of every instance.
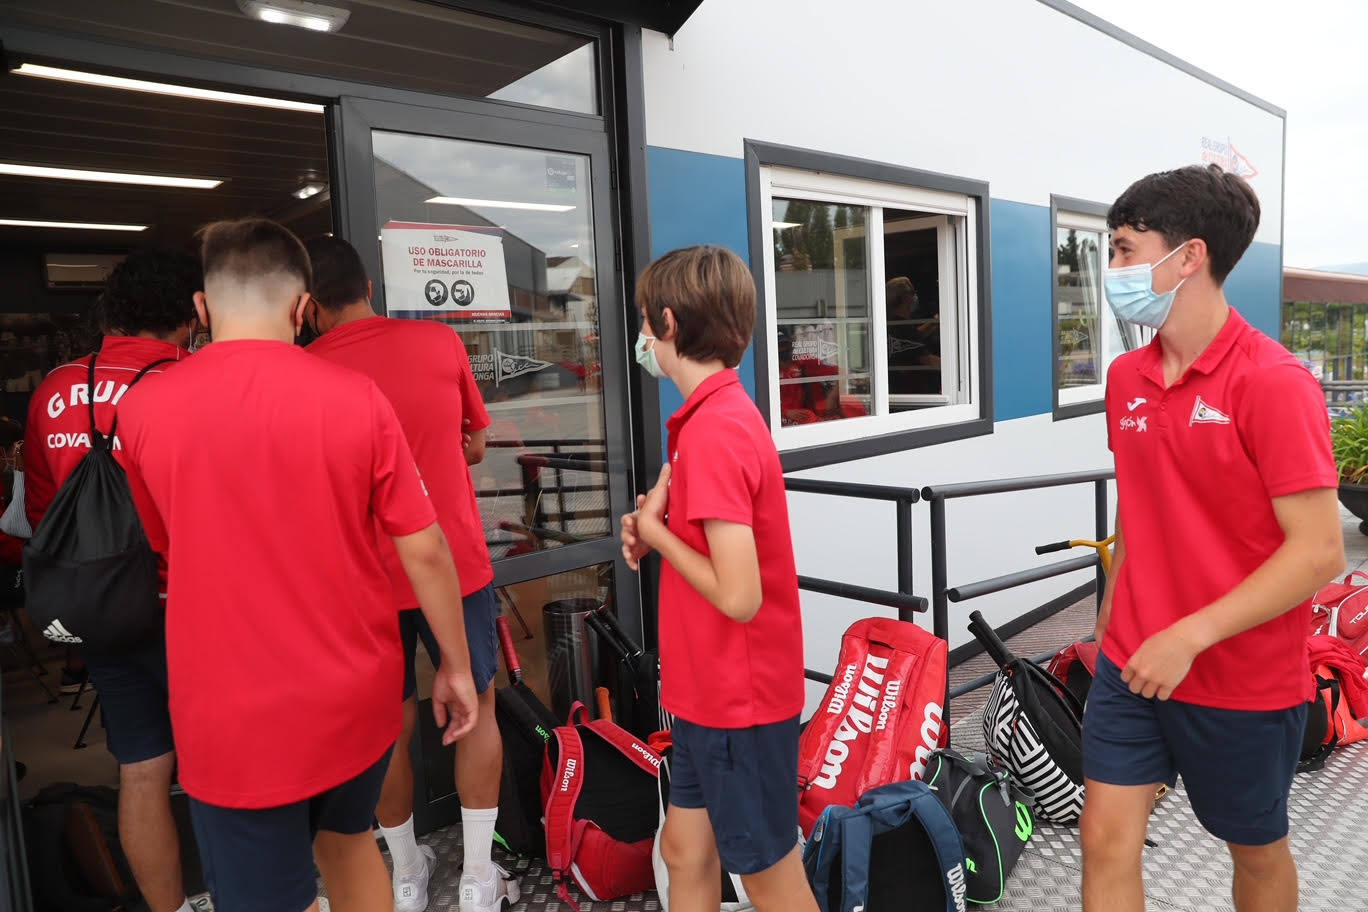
(1130, 291)
(646, 356)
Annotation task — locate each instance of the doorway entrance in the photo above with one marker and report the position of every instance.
(481, 133)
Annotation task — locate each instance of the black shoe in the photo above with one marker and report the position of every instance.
(73, 681)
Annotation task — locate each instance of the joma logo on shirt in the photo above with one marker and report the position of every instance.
(1139, 425)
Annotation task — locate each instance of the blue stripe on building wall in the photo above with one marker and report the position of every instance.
(1254, 288)
(1023, 327)
(697, 199)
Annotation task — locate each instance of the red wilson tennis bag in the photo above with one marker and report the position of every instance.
(881, 718)
(599, 787)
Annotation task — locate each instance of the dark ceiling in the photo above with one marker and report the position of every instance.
(262, 155)
(403, 43)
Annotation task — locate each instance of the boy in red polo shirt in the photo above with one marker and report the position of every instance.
(1227, 523)
(423, 370)
(147, 312)
(731, 639)
(266, 471)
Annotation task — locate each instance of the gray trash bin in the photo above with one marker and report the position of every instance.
(571, 653)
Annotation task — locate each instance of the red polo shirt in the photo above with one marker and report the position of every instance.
(265, 469)
(57, 436)
(1197, 468)
(423, 370)
(715, 671)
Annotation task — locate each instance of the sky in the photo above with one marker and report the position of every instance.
(1306, 58)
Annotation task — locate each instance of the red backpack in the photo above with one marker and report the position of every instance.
(599, 788)
(1341, 610)
(882, 716)
(1076, 666)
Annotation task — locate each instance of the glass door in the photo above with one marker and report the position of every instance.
(501, 229)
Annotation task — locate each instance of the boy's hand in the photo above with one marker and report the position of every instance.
(455, 705)
(465, 434)
(651, 514)
(633, 548)
(1161, 663)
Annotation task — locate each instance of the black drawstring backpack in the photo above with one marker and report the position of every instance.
(89, 573)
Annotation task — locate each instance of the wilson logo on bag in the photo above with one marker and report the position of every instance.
(881, 718)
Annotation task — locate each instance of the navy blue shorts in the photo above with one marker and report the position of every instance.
(134, 700)
(746, 779)
(1237, 765)
(482, 638)
(262, 860)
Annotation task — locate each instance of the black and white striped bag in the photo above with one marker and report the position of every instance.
(1033, 726)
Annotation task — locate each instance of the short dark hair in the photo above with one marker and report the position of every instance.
(150, 291)
(11, 432)
(712, 295)
(248, 248)
(339, 277)
(1199, 201)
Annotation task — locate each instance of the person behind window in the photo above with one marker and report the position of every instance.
(913, 340)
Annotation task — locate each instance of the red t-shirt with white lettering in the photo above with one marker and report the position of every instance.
(1197, 468)
(715, 671)
(423, 369)
(57, 436)
(265, 470)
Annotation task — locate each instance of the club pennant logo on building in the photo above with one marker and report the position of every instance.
(1228, 157)
(506, 367)
(1202, 413)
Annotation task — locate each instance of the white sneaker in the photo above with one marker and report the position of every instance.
(201, 903)
(497, 893)
(411, 891)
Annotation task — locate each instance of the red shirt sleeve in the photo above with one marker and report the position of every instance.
(1286, 429)
(472, 403)
(724, 476)
(398, 497)
(39, 486)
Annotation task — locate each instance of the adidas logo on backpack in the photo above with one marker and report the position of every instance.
(57, 632)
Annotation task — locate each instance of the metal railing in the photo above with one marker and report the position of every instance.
(550, 521)
(942, 593)
(1345, 392)
(903, 600)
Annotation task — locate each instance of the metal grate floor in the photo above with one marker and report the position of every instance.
(1187, 870)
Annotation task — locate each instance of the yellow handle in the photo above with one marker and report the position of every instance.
(1103, 549)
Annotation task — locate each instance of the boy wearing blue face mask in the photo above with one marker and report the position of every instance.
(731, 641)
(1227, 523)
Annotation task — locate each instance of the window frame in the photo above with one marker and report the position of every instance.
(1082, 215)
(784, 171)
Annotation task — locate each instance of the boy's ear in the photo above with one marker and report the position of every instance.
(1194, 256)
(671, 327)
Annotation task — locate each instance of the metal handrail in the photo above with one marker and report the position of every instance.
(903, 599)
(942, 593)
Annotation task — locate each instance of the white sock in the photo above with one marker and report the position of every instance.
(403, 847)
(477, 827)
(185, 907)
